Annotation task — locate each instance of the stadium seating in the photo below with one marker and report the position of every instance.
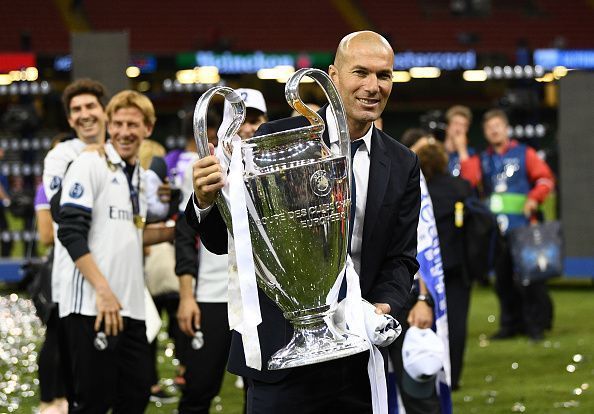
(430, 25)
(181, 25)
(40, 20)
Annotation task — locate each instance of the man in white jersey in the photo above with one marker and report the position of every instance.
(102, 211)
(83, 104)
(202, 312)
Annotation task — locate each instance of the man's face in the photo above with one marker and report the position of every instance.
(457, 126)
(364, 81)
(127, 130)
(495, 130)
(251, 124)
(87, 118)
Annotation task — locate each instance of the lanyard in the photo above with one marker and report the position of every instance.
(139, 221)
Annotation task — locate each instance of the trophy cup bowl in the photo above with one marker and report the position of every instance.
(298, 201)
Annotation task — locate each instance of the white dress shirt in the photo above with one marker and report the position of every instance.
(361, 163)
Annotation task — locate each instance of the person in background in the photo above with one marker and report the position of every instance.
(83, 102)
(515, 181)
(159, 262)
(419, 312)
(255, 111)
(5, 243)
(458, 119)
(448, 194)
(178, 160)
(52, 390)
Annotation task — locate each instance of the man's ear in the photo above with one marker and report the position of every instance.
(149, 130)
(333, 72)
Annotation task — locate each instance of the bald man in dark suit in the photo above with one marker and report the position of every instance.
(383, 244)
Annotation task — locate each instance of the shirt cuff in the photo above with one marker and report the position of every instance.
(200, 212)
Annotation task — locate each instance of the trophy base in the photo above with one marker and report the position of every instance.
(314, 344)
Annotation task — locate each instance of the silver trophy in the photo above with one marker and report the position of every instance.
(298, 199)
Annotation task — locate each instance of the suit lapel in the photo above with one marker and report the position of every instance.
(379, 174)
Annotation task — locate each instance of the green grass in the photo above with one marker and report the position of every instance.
(504, 376)
(491, 382)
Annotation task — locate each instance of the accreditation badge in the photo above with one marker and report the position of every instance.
(501, 187)
(139, 221)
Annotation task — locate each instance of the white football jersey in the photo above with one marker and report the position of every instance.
(101, 187)
(213, 274)
(55, 165)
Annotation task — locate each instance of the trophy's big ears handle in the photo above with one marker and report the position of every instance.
(232, 125)
(322, 79)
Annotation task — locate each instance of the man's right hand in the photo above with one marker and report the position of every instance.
(460, 144)
(421, 315)
(208, 179)
(188, 315)
(108, 312)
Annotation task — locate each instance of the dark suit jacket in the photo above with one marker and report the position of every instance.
(445, 190)
(389, 247)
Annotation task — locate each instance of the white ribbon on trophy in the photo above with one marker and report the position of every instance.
(243, 304)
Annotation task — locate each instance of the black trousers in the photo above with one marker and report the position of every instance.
(169, 303)
(116, 377)
(205, 367)
(412, 405)
(51, 378)
(340, 386)
(458, 301)
(65, 359)
(524, 309)
(5, 244)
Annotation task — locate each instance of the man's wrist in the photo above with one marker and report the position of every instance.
(201, 206)
(426, 298)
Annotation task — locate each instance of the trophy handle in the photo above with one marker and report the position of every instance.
(201, 136)
(322, 79)
(200, 113)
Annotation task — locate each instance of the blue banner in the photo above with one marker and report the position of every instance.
(431, 271)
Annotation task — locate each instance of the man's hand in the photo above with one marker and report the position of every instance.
(208, 179)
(382, 308)
(164, 192)
(108, 311)
(95, 148)
(421, 315)
(460, 144)
(530, 207)
(188, 315)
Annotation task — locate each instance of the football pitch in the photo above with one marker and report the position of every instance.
(516, 375)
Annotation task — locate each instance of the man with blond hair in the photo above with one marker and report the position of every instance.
(101, 221)
(459, 119)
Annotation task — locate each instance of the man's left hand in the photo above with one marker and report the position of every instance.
(382, 308)
(530, 207)
(164, 192)
(95, 147)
